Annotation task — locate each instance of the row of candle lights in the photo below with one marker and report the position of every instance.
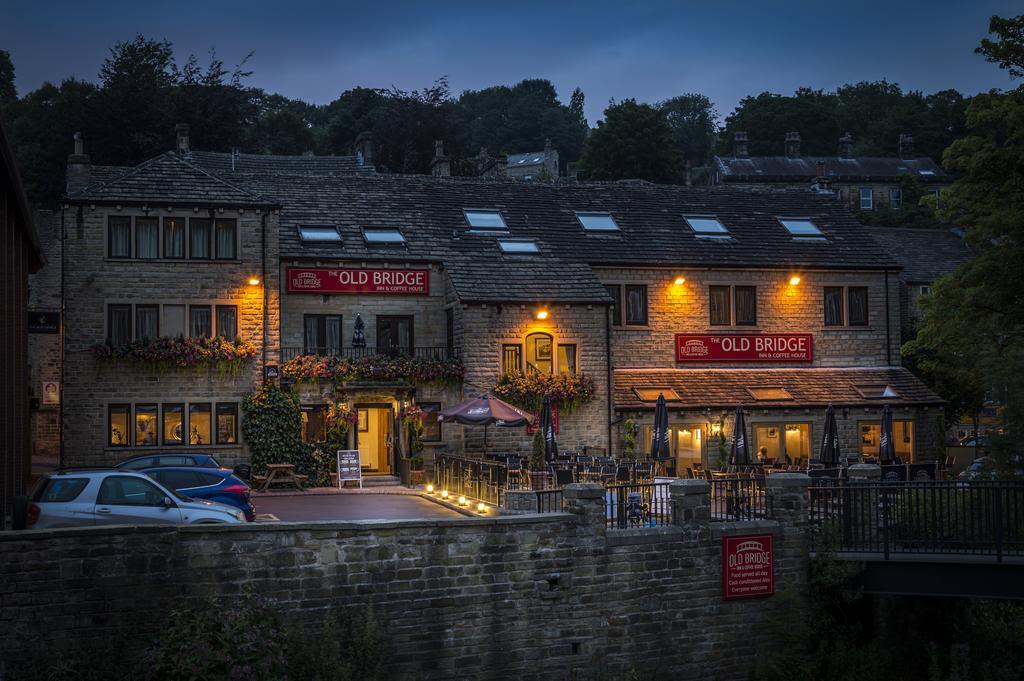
(481, 507)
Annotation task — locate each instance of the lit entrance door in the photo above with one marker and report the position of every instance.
(374, 438)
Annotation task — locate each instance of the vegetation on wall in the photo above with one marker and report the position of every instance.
(630, 439)
(272, 425)
(167, 352)
(341, 370)
(412, 421)
(566, 391)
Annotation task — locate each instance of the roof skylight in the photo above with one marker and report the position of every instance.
(772, 394)
(651, 394)
(509, 246)
(319, 233)
(802, 228)
(383, 236)
(876, 392)
(597, 222)
(707, 226)
(485, 219)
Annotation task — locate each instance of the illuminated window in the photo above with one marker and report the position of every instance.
(314, 427)
(173, 423)
(567, 358)
(199, 424)
(227, 424)
(119, 415)
(782, 442)
(146, 425)
(511, 358)
(902, 436)
(539, 358)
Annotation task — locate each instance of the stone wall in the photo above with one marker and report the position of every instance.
(44, 348)
(535, 597)
(92, 281)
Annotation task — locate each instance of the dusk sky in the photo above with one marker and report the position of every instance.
(647, 50)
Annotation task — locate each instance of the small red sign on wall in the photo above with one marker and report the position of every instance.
(749, 347)
(358, 280)
(532, 426)
(748, 566)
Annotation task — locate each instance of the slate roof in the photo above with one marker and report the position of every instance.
(785, 169)
(925, 254)
(812, 387)
(532, 158)
(167, 178)
(226, 164)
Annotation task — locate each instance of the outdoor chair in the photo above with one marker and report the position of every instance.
(563, 477)
(623, 475)
(515, 472)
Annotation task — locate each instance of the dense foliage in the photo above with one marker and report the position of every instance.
(634, 141)
(167, 352)
(272, 425)
(526, 391)
(342, 370)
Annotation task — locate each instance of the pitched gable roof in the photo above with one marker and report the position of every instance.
(925, 254)
(306, 164)
(167, 178)
(804, 168)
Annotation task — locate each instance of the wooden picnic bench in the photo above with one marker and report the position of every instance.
(279, 473)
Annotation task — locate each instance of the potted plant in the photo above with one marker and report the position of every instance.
(412, 419)
(630, 438)
(539, 474)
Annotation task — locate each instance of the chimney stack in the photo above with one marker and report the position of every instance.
(181, 132)
(490, 167)
(551, 162)
(739, 149)
(792, 145)
(906, 146)
(846, 146)
(364, 148)
(79, 164)
(819, 169)
(440, 165)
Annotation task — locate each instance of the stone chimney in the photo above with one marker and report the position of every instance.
(846, 146)
(181, 133)
(688, 173)
(906, 146)
(364, 148)
(78, 167)
(551, 164)
(440, 165)
(819, 169)
(739, 145)
(792, 145)
(486, 166)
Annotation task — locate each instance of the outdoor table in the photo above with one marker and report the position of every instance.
(281, 472)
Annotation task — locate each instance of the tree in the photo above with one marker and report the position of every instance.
(692, 120)
(767, 117)
(1008, 48)
(970, 343)
(8, 94)
(634, 141)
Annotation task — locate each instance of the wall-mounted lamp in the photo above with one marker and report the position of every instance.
(794, 280)
(254, 282)
(542, 313)
(680, 280)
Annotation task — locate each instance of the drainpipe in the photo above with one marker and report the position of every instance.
(263, 237)
(608, 359)
(888, 332)
(63, 338)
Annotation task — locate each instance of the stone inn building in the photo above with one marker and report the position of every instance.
(194, 275)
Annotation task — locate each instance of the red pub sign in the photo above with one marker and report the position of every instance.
(748, 566)
(358, 280)
(748, 347)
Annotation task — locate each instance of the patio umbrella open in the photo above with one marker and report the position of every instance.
(829, 453)
(547, 427)
(740, 453)
(484, 411)
(886, 446)
(659, 434)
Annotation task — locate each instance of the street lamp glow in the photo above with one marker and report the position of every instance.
(430, 488)
(462, 501)
(680, 281)
(481, 508)
(254, 282)
(794, 280)
(444, 494)
(542, 313)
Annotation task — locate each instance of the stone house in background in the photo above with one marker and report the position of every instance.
(20, 256)
(859, 183)
(534, 165)
(438, 287)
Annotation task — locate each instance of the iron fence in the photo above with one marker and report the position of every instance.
(550, 501)
(637, 505)
(977, 518)
(473, 478)
(738, 499)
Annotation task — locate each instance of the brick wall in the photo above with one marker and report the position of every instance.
(535, 597)
(781, 308)
(92, 281)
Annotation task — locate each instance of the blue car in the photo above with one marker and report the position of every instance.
(143, 461)
(212, 484)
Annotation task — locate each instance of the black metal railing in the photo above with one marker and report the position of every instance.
(474, 478)
(969, 518)
(550, 501)
(420, 352)
(637, 505)
(738, 499)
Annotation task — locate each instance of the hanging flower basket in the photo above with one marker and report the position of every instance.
(342, 370)
(527, 391)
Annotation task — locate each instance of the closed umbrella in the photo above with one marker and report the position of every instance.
(829, 453)
(886, 446)
(740, 453)
(547, 428)
(659, 435)
(484, 411)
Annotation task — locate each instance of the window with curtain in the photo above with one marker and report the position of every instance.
(322, 334)
(119, 237)
(146, 425)
(227, 321)
(314, 428)
(867, 199)
(199, 239)
(119, 324)
(857, 305)
(636, 305)
(615, 291)
(895, 198)
(511, 358)
(719, 304)
(199, 425)
(117, 422)
(174, 237)
(567, 358)
(538, 354)
(147, 238)
(226, 231)
(173, 423)
(227, 423)
(199, 321)
(746, 305)
(174, 320)
(147, 321)
(833, 306)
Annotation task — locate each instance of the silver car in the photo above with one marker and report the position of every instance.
(80, 498)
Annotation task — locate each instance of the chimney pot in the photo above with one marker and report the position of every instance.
(740, 149)
(906, 146)
(181, 132)
(440, 165)
(79, 145)
(819, 169)
(77, 177)
(792, 145)
(364, 147)
(846, 146)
